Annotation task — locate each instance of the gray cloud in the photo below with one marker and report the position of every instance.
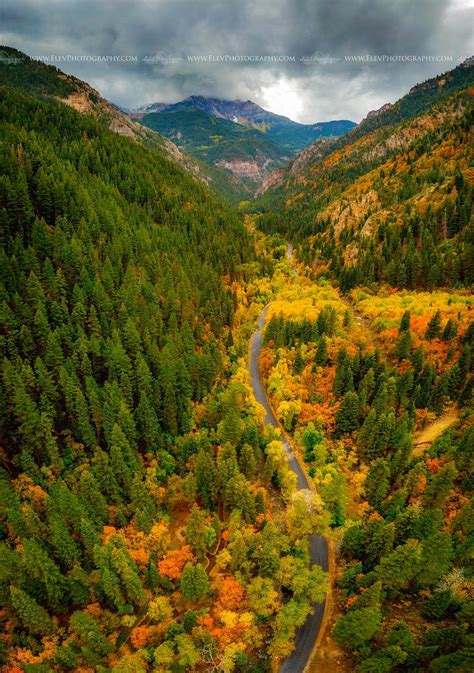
(333, 30)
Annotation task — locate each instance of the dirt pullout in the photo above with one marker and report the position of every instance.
(425, 438)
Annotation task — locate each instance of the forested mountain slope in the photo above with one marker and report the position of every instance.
(95, 227)
(148, 521)
(390, 201)
(24, 73)
(240, 155)
(138, 492)
(34, 77)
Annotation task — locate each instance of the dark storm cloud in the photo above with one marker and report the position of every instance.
(174, 30)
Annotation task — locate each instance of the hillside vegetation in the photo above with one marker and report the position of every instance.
(147, 520)
(240, 155)
(391, 201)
(358, 384)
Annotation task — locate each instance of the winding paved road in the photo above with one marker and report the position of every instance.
(318, 548)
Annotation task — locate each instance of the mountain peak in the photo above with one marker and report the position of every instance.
(218, 107)
(247, 113)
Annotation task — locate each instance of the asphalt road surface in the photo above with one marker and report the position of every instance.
(318, 548)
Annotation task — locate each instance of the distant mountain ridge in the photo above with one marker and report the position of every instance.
(239, 140)
(242, 155)
(292, 136)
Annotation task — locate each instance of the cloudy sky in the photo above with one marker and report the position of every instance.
(303, 58)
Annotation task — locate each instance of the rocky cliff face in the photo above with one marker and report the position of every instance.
(86, 100)
(376, 113)
(244, 169)
(305, 157)
(299, 163)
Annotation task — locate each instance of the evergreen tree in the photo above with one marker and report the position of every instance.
(197, 532)
(109, 580)
(404, 345)
(32, 615)
(347, 416)
(378, 483)
(343, 380)
(378, 542)
(260, 503)
(433, 331)
(450, 330)
(298, 362)
(88, 634)
(247, 461)
(206, 479)
(66, 550)
(405, 322)
(120, 457)
(436, 558)
(357, 627)
(321, 356)
(398, 569)
(194, 582)
(44, 570)
(126, 570)
(439, 486)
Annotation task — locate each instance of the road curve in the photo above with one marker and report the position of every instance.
(318, 548)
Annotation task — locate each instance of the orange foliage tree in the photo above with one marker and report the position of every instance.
(231, 595)
(172, 564)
